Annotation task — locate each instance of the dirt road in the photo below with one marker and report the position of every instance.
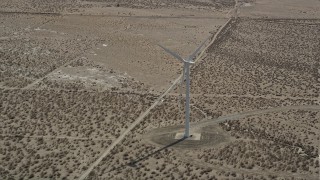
(57, 137)
(142, 116)
(252, 96)
(122, 136)
(241, 115)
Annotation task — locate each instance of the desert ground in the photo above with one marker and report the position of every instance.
(87, 93)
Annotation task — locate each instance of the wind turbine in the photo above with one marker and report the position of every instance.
(186, 75)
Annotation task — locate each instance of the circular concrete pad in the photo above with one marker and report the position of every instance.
(192, 137)
(208, 136)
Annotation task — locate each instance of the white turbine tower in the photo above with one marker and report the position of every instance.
(186, 74)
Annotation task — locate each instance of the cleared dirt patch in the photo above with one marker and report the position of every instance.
(210, 136)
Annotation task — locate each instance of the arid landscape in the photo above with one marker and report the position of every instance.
(87, 93)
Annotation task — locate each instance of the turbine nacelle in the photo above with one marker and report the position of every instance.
(188, 60)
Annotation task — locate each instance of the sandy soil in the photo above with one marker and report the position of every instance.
(128, 45)
(125, 45)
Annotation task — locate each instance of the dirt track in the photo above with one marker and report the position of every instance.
(241, 115)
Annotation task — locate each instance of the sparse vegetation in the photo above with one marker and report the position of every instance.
(75, 75)
(262, 58)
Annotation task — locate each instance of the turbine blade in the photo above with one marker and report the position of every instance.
(183, 73)
(173, 54)
(197, 50)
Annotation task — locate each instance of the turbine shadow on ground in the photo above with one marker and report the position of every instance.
(134, 162)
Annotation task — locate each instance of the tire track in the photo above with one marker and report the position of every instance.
(241, 115)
